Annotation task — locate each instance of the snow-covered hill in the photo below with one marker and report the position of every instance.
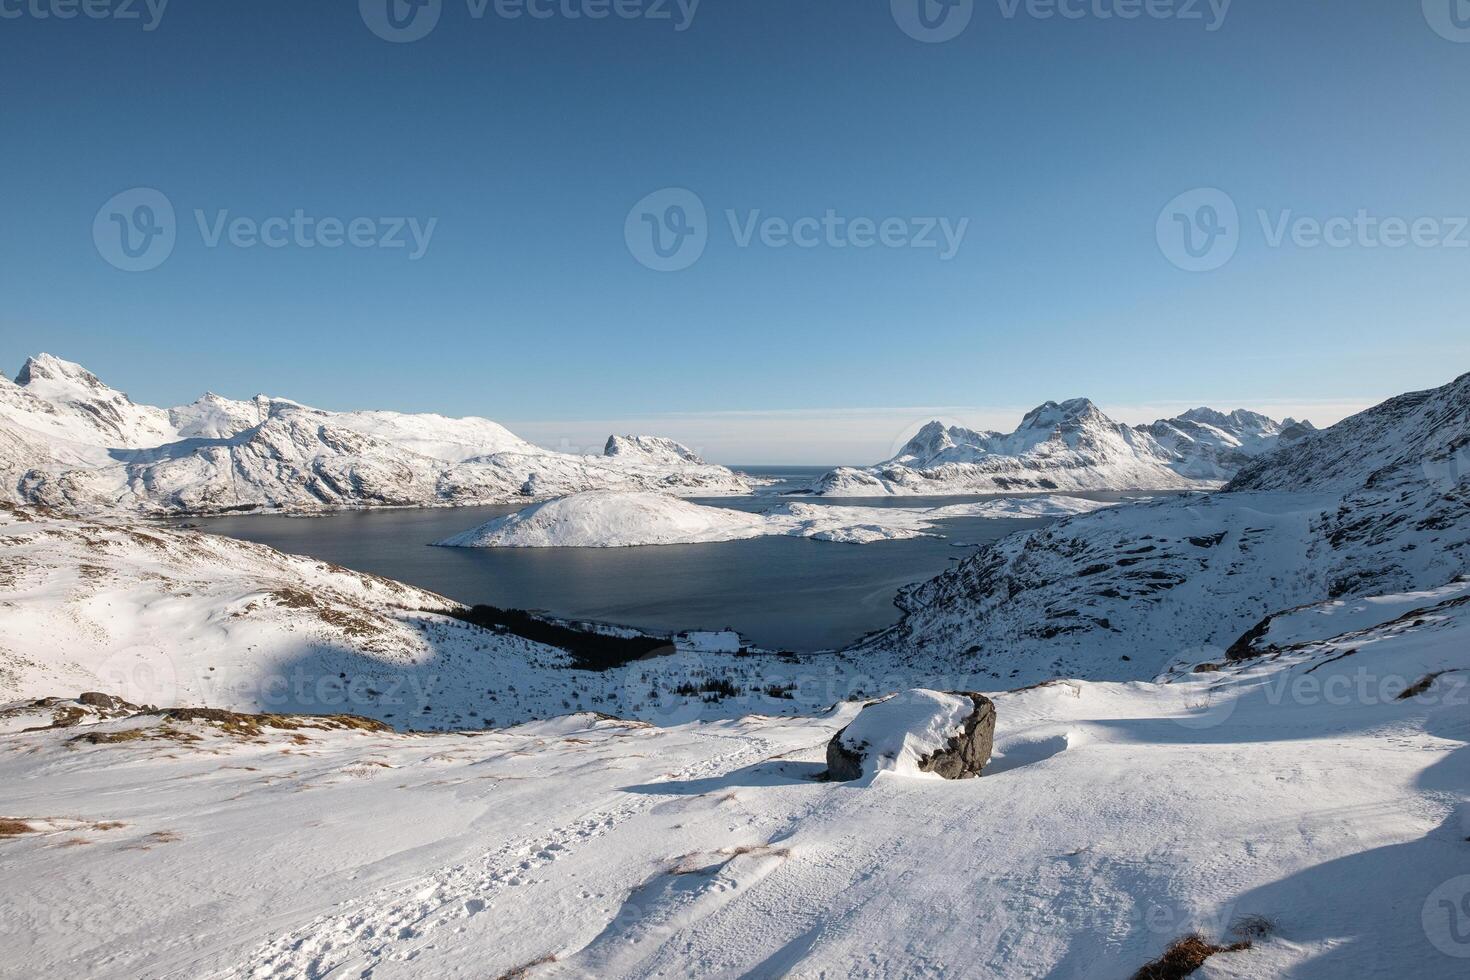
(69, 441)
(1069, 446)
(176, 617)
(1378, 503)
(616, 519)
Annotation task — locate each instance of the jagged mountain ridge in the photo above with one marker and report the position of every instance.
(1378, 503)
(1070, 445)
(69, 441)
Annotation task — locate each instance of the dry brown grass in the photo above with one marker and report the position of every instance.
(236, 724)
(1183, 957)
(520, 971)
(14, 828)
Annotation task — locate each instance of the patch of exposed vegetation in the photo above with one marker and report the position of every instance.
(14, 828)
(589, 650)
(1421, 685)
(525, 968)
(233, 723)
(1184, 956)
(704, 862)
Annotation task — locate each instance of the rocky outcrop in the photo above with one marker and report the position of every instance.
(950, 735)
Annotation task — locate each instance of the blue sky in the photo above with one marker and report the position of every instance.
(1057, 141)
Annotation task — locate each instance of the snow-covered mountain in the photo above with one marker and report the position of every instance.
(1069, 445)
(69, 441)
(1212, 445)
(1378, 503)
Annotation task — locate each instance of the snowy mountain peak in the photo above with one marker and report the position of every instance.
(649, 447)
(1071, 413)
(49, 368)
(928, 442)
(1069, 445)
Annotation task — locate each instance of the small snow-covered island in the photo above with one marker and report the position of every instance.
(618, 519)
(1220, 730)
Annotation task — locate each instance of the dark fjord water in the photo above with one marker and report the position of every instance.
(779, 592)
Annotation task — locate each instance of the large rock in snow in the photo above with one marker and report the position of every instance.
(914, 733)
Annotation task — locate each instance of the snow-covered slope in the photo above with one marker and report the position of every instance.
(68, 441)
(615, 519)
(176, 617)
(1211, 445)
(1068, 446)
(1378, 503)
(1310, 802)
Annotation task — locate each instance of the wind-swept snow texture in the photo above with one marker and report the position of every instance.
(1070, 446)
(1311, 799)
(70, 442)
(616, 519)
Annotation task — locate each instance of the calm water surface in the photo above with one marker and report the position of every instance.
(780, 592)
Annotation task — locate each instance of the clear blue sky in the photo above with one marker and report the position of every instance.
(529, 140)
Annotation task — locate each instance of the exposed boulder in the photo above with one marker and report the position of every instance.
(916, 732)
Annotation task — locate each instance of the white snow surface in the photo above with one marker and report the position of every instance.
(1293, 798)
(70, 442)
(616, 519)
(896, 734)
(1070, 445)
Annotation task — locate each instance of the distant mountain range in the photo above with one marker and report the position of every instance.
(1379, 503)
(1070, 445)
(69, 441)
